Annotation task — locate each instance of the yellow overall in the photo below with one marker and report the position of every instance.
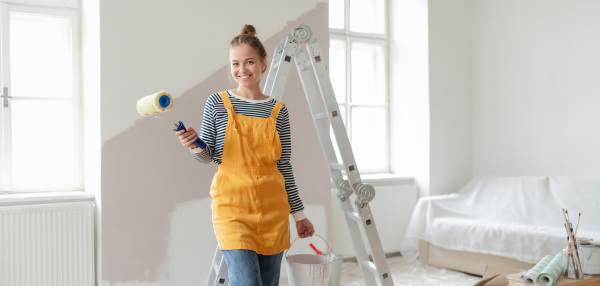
(250, 208)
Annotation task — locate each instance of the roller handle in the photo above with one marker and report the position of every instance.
(198, 141)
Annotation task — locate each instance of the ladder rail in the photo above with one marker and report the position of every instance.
(364, 192)
(323, 130)
(322, 126)
(218, 271)
(279, 71)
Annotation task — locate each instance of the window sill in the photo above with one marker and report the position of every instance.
(386, 179)
(43, 198)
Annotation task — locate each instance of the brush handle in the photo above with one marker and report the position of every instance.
(198, 141)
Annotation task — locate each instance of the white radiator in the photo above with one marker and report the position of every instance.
(391, 208)
(47, 245)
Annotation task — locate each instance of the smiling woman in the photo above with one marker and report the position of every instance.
(254, 191)
(248, 59)
(246, 68)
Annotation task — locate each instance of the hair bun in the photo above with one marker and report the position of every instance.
(248, 30)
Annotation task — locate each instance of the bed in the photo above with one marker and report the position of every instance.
(501, 221)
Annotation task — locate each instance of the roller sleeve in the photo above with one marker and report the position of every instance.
(154, 103)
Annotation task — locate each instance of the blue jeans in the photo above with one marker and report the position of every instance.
(247, 268)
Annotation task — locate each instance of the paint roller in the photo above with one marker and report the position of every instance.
(158, 103)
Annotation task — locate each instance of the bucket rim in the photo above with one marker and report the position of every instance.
(327, 260)
(287, 250)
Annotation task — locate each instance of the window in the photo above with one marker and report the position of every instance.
(40, 147)
(359, 75)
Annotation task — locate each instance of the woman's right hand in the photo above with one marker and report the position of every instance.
(187, 137)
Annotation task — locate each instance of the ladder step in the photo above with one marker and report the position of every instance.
(304, 65)
(353, 216)
(275, 66)
(337, 166)
(369, 265)
(321, 115)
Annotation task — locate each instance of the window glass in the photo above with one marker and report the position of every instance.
(40, 56)
(337, 68)
(368, 74)
(369, 138)
(336, 14)
(367, 16)
(358, 68)
(43, 143)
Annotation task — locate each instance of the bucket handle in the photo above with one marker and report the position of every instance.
(328, 246)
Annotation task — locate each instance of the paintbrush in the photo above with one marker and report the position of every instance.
(577, 227)
(569, 245)
(575, 256)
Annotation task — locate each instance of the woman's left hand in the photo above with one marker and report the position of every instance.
(305, 228)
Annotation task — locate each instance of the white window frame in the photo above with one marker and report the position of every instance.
(60, 8)
(349, 37)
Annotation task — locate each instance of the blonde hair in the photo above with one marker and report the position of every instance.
(248, 36)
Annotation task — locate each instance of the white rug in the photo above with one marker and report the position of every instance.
(406, 272)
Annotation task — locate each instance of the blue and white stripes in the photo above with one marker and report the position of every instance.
(213, 127)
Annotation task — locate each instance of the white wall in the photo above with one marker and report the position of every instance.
(450, 96)
(536, 87)
(514, 89)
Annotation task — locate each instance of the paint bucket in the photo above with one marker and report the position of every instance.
(336, 269)
(308, 269)
(590, 259)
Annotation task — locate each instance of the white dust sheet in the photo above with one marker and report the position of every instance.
(514, 217)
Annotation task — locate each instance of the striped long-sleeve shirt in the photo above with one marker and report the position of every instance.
(213, 134)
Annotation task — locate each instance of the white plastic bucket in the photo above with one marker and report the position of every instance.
(308, 269)
(336, 270)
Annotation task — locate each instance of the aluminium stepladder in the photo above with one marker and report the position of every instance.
(376, 270)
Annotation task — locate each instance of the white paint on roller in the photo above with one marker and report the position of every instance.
(150, 105)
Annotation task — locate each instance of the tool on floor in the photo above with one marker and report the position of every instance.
(344, 175)
(158, 103)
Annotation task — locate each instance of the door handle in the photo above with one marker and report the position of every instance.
(5, 96)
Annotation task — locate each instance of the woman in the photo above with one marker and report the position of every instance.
(253, 192)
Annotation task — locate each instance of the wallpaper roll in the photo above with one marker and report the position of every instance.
(553, 270)
(530, 278)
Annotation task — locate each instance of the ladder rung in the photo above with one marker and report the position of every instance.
(369, 265)
(337, 166)
(354, 216)
(321, 115)
(275, 66)
(304, 65)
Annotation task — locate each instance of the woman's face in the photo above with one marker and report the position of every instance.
(246, 65)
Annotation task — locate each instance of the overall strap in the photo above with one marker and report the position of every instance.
(273, 121)
(278, 106)
(226, 100)
(229, 108)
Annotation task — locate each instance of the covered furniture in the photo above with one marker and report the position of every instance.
(501, 221)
